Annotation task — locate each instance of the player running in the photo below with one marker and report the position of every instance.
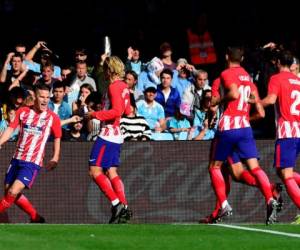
(36, 123)
(284, 91)
(235, 133)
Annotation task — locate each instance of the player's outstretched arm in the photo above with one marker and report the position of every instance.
(269, 100)
(6, 135)
(56, 151)
(259, 109)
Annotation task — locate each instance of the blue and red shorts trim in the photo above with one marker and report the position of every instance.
(24, 171)
(286, 152)
(105, 154)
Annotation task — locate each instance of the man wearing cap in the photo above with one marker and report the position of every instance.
(152, 110)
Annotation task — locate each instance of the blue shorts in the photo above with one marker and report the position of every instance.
(286, 152)
(239, 140)
(105, 154)
(24, 171)
(234, 158)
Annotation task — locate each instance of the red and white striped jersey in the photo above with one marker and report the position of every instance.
(236, 112)
(119, 97)
(35, 129)
(286, 86)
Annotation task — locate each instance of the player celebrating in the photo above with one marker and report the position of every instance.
(235, 133)
(104, 158)
(36, 123)
(233, 166)
(284, 90)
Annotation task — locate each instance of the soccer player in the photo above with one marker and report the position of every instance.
(104, 159)
(233, 167)
(36, 123)
(284, 90)
(235, 133)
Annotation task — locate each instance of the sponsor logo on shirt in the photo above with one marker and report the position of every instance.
(32, 130)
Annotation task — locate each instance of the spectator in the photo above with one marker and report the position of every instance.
(66, 73)
(131, 78)
(47, 75)
(98, 75)
(21, 49)
(15, 77)
(81, 55)
(58, 105)
(179, 126)
(80, 107)
(167, 96)
(75, 133)
(152, 111)
(46, 57)
(166, 56)
(182, 76)
(134, 62)
(150, 76)
(133, 127)
(205, 121)
(94, 104)
(193, 94)
(81, 78)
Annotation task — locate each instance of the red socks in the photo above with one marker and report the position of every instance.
(263, 181)
(23, 203)
(297, 178)
(105, 186)
(118, 187)
(6, 202)
(218, 184)
(227, 179)
(293, 190)
(247, 178)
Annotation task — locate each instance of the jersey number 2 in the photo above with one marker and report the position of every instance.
(295, 95)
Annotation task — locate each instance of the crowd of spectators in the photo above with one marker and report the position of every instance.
(170, 98)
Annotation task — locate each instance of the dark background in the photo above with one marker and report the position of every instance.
(66, 25)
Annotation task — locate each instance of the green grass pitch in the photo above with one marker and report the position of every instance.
(141, 236)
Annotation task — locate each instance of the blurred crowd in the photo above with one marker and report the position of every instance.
(170, 97)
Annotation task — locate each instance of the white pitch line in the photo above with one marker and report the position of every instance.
(258, 230)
